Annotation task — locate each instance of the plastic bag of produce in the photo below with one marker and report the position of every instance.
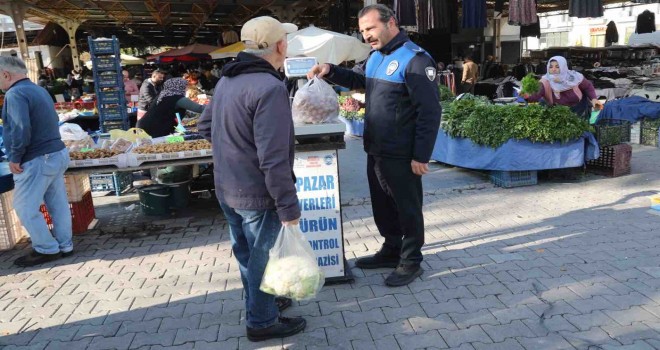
(72, 132)
(292, 270)
(315, 103)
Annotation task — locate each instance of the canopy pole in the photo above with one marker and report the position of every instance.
(17, 12)
(71, 27)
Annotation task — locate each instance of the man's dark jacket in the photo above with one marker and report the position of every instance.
(402, 100)
(250, 126)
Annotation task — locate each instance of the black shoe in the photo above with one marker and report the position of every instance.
(378, 260)
(285, 327)
(282, 303)
(35, 258)
(404, 274)
(67, 254)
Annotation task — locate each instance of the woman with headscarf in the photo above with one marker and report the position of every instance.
(561, 86)
(160, 119)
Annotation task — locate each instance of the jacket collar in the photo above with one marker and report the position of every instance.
(395, 43)
(18, 81)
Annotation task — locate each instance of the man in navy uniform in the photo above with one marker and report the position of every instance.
(401, 125)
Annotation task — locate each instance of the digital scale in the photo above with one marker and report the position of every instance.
(297, 67)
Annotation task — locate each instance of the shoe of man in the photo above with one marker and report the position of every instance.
(285, 327)
(35, 258)
(403, 275)
(379, 260)
(67, 254)
(282, 303)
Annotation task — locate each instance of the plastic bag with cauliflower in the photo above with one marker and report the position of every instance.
(292, 270)
(315, 103)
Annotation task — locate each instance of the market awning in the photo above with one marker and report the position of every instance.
(228, 51)
(326, 46)
(188, 53)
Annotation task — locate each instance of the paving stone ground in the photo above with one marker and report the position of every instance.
(556, 266)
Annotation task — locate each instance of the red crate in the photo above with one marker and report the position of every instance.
(613, 161)
(82, 214)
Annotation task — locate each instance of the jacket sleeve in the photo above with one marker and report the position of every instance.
(18, 117)
(189, 105)
(353, 79)
(426, 101)
(204, 122)
(273, 132)
(588, 89)
(145, 96)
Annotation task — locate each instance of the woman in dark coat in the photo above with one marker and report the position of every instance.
(160, 119)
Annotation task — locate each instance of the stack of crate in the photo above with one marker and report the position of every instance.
(109, 84)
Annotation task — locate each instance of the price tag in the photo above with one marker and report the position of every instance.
(174, 139)
(86, 150)
(59, 98)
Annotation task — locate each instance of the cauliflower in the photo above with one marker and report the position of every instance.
(294, 277)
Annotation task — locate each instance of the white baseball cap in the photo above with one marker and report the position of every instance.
(263, 32)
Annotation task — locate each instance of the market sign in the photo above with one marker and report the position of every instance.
(317, 184)
(600, 30)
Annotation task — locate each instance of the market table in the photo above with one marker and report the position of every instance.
(514, 155)
(317, 181)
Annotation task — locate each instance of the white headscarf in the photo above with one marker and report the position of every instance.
(565, 80)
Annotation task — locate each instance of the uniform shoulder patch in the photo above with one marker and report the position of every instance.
(430, 73)
(413, 47)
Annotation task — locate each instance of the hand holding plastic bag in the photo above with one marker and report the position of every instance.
(315, 103)
(292, 270)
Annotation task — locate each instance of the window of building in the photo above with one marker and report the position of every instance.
(553, 39)
(597, 40)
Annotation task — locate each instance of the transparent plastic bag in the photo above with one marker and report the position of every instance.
(72, 132)
(292, 270)
(315, 103)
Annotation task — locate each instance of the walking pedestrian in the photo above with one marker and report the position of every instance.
(250, 126)
(38, 159)
(401, 125)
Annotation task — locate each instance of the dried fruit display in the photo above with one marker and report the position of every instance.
(196, 145)
(95, 154)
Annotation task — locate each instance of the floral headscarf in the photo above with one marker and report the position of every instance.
(173, 87)
(565, 80)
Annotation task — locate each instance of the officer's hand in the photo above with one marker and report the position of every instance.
(319, 70)
(419, 168)
(291, 223)
(15, 168)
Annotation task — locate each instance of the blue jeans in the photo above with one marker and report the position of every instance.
(42, 180)
(253, 233)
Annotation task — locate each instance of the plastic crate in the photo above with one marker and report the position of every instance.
(650, 133)
(613, 161)
(77, 186)
(11, 229)
(612, 132)
(109, 97)
(108, 79)
(82, 214)
(105, 63)
(111, 113)
(117, 182)
(107, 125)
(103, 46)
(509, 179)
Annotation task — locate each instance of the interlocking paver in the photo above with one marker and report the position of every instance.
(473, 334)
(341, 335)
(120, 343)
(191, 335)
(509, 344)
(367, 304)
(163, 338)
(512, 330)
(452, 306)
(421, 341)
(424, 324)
(551, 342)
(398, 313)
(69, 345)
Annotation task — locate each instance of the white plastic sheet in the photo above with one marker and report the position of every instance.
(326, 46)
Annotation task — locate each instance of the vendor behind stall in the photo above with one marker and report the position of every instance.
(566, 87)
(161, 119)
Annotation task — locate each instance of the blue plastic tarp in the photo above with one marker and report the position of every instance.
(514, 155)
(632, 108)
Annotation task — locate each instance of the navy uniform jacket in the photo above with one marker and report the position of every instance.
(402, 100)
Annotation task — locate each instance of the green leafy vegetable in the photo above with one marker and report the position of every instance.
(530, 85)
(493, 125)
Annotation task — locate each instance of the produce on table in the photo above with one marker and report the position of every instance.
(292, 277)
(196, 145)
(445, 93)
(93, 154)
(493, 125)
(530, 85)
(350, 108)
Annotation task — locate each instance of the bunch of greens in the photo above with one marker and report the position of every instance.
(445, 93)
(530, 85)
(493, 125)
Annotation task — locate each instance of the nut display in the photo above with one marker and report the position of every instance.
(196, 145)
(95, 154)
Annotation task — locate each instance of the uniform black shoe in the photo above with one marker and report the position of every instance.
(282, 303)
(378, 260)
(403, 275)
(67, 254)
(285, 327)
(35, 258)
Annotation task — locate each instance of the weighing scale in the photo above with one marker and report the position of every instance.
(296, 68)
